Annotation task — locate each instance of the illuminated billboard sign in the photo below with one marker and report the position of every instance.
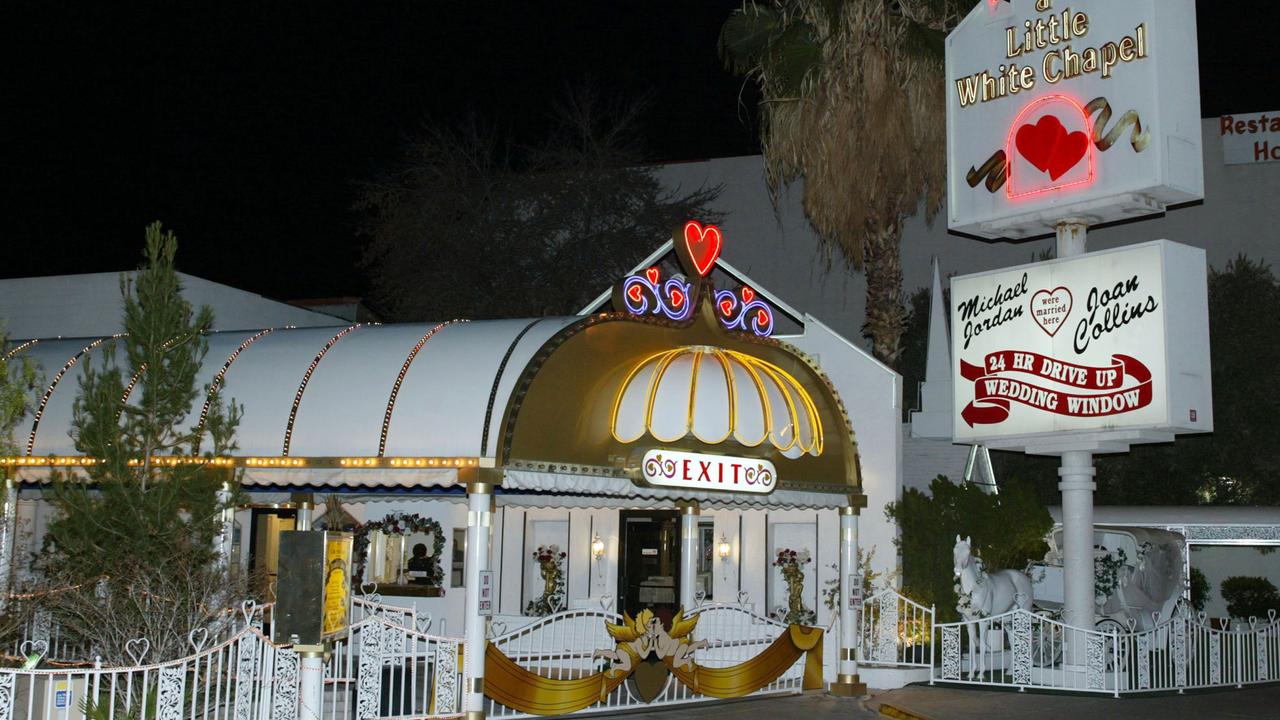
(1115, 339)
(1086, 109)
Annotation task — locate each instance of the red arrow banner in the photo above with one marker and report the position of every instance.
(995, 391)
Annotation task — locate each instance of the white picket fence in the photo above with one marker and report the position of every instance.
(1026, 650)
(562, 646)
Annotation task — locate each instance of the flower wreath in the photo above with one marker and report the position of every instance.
(400, 524)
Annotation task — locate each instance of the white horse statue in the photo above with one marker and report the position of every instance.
(984, 595)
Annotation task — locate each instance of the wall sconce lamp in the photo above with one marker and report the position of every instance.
(725, 549)
(597, 547)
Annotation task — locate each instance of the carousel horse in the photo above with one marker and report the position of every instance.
(987, 595)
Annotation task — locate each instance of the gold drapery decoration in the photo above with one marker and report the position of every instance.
(526, 691)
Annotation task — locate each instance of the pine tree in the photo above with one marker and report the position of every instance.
(137, 533)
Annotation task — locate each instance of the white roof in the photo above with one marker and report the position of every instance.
(450, 402)
(86, 305)
(1162, 515)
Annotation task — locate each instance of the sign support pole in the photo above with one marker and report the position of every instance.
(847, 683)
(479, 518)
(1076, 484)
(689, 552)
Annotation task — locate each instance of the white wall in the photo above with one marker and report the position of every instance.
(90, 306)
(872, 395)
(782, 253)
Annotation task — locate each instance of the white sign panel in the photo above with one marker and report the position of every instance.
(672, 468)
(1087, 108)
(1251, 138)
(1110, 340)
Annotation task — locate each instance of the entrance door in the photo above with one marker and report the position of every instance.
(264, 544)
(649, 576)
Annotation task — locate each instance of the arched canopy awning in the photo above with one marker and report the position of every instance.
(421, 396)
(604, 391)
(553, 405)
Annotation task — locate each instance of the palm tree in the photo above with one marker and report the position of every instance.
(852, 102)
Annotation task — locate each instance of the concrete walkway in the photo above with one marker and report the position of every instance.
(939, 703)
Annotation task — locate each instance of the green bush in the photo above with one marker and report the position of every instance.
(1200, 591)
(1008, 531)
(1249, 596)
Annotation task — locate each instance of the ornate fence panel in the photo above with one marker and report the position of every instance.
(894, 631)
(563, 647)
(416, 674)
(236, 678)
(1023, 650)
(1186, 652)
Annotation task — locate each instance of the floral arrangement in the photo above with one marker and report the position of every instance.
(791, 563)
(1106, 574)
(550, 559)
(400, 524)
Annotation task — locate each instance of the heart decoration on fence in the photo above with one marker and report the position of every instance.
(246, 610)
(1202, 616)
(1133, 624)
(34, 647)
(496, 628)
(699, 598)
(423, 623)
(1253, 622)
(198, 638)
(606, 602)
(138, 649)
(1271, 615)
(743, 597)
(369, 588)
(557, 604)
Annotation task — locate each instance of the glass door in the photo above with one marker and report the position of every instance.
(649, 576)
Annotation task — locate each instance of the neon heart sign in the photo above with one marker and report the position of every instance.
(1049, 148)
(700, 247)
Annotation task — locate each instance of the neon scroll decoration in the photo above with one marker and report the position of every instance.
(647, 294)
(744, 312)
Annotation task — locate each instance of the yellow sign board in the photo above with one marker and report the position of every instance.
(337, 582)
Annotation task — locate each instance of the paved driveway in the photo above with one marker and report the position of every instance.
(938, 703)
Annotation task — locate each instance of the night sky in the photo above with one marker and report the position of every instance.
(245, 128)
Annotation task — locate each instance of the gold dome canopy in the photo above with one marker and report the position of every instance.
(716, 394)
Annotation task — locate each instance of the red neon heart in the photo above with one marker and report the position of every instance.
(1050, 148)
(762, 318)
(652, 274)
(677, 298)
(748, 294)
(703, 245)
(634, 293)
(726, 307)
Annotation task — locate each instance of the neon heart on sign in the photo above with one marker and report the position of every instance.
(726, 307)
(762, 318)
(748, 294)
(703, 244)
(634, 293)
(677, 298)
(653, 275)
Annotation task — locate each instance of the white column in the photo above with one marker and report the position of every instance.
(1077, 488)
(847, 683)
(310, 684)
(8, 536)
(305, 512)
(1076, 484)
(689, 550)
(479, 518)
(228, 525)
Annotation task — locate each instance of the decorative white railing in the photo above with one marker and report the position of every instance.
(895, 631)
(44, 637)
(1031, 651)
(243, 677)
(382, 669)
(562, 646)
